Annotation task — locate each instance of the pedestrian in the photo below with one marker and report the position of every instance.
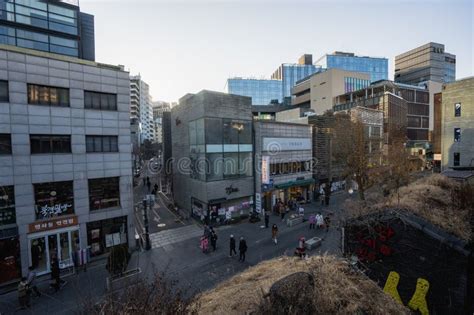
(155, 187)
(144, 181)
(148, 184)
(267, 219)
(321, 195)
(312, 221)
(204, 244)
(274, 233)
(327, 194)
(327, 221)
(301, 211)
(213, 239)
(55, 273)
(282, 212)
(232, 251)
(23, 293)
(31, 279)
(242, 249)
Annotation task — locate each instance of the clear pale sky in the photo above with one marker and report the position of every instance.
(183, 47)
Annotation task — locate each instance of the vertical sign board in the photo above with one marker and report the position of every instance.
(265, 169)
(258, 203)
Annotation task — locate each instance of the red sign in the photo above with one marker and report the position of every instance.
(56, 223)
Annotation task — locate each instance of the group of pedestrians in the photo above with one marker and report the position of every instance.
(283, 208)
(242, 248)
(319, 221)
(209, 236)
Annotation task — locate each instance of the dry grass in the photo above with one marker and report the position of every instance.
(432, 198)
(338, 289)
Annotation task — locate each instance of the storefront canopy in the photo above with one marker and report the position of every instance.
(302, 182)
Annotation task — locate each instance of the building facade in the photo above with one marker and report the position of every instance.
(317, 92)
(65, 162)
(212, 155)
(457, 125)
(283, 163)
(51, 26)
(159, 108)
(262, 91)
(428, 62)
(141, 107)
(376, 68)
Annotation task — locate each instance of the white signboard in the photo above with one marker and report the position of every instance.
(258, 203)
(275, 145)
(265, 170)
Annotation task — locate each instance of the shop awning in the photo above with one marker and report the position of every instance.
(295, 183)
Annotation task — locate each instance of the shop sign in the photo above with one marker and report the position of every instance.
(265, 169)
(52, 224)
(437, 157)
(258, 202)
(50, 211)
(231, 189)
(276, 145)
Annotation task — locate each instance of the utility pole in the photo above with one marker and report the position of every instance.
(145, 223)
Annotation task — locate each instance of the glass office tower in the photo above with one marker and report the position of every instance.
(377, 68)
(290, 73)
(53, 26)
(262, 92)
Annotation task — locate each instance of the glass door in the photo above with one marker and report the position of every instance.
(39, 254)
(53, 248)
(65, 258)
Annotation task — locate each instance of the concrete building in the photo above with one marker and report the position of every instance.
(428, 62)
(65, 162)
(283, 160)
(457, 125)
(317, 92)
(159, 108)
(141, 107)
(52, 26)
(212, 152)
(376, 68)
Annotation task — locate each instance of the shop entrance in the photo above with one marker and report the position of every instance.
(61, 243)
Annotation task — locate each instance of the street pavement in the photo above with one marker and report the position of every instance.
(176, 253)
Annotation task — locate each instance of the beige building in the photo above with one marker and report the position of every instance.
(317, 91)
(457, 124)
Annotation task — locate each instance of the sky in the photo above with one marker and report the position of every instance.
(184, 46)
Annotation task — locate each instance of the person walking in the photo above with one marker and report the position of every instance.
(148, 184)
(321, 195)
(312, 221)
(213, 239)
(31, 279)
(23, 293)
(55, 273)
(301, 211)
(282, 212)
(204, 244)
(242, 249)
(274, 233)
(319, 220)
(267, 219)
(144, 181)
(327, 221)
(232, 251)
(155, 187)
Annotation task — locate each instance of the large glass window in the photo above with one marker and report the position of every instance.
(103, 235)
(53, 199)
(101, 144)
(457, 134)
(50, 144)
(101, 101)
(48, 95)
(5, 144)
(104, 193)
(457, 110)
(7, 205)
(457, 158)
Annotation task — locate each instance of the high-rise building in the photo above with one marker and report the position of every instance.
(428, 62)
(376, 67)
(457, 125)
(52, 26)
(65, 162)
(159, 107)
(141, 107)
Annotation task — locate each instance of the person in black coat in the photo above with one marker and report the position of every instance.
(267, 219)
(213, 239)
(242, 249)
(55, 273)
(232, 251)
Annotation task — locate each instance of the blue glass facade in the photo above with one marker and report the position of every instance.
(262, 92)
(354, 84)
(377, 68)
(295, 72)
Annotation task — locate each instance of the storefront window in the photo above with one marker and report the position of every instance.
(104, 193)
(7, 206)
(102, 235)
(54, 199)
(10, 266)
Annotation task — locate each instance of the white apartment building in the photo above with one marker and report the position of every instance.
(65, 160)
(141, 107)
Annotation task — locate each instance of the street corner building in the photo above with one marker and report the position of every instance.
(65, 160)
(283, 163)
(213, 177)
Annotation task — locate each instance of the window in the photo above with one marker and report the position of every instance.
(50, 144)
(48, 95)
(457, 134)
(4, 91)
(104, 193)
(101, 144)
(53, 199)
(457, 110)
(101, 101)
(7, 205)
(457, 158)
(5, 144)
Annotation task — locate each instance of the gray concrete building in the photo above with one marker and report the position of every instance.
(65, 159)
(283, 163)
(212, 155)
(428, 62)
(457, 125)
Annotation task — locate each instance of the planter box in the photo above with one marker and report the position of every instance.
(294, 221)
(129, 277)
(312, 243)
